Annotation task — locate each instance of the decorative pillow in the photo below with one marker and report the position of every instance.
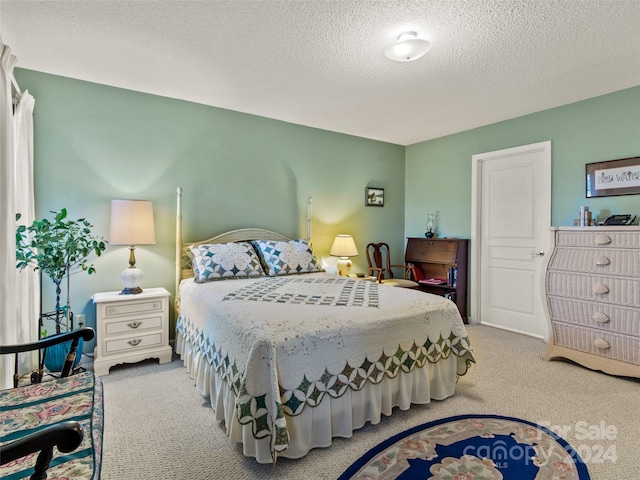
(286, 258)
(225, 260)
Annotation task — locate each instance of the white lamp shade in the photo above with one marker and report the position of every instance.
(344, 246)
(407, 48)
(132, 223)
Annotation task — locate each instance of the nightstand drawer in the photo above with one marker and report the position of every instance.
(132, 308)
(134, 324)
(133, 343)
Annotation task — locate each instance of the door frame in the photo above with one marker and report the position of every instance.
(476, 221)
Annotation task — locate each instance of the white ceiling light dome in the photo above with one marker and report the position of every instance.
(408, 48)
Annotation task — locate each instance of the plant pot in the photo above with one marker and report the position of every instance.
(57, 354)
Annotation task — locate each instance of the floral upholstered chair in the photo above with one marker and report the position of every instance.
(65, 413)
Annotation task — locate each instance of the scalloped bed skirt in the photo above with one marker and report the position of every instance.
(333, 417)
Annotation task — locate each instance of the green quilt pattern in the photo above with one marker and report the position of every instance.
(254, 409)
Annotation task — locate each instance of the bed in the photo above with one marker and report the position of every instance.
(293, 356)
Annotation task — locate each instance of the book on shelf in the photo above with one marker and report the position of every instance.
(433, 281)
(452, 279)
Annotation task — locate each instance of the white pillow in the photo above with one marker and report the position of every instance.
(220, 261)
(286, 258)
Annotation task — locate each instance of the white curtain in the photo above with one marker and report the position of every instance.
(27, 289)
(15, 325)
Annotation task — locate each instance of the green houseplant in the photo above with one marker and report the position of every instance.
(57, 248)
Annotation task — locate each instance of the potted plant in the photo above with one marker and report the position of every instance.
(57, 248)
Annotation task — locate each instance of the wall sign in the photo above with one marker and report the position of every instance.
(614, 177)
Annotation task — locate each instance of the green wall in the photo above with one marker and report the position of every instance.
(438, 172)
(95, 143)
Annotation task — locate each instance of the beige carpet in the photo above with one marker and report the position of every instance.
(157, 426)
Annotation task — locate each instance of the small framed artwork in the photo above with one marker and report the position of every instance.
(613, 177)
(374, 197)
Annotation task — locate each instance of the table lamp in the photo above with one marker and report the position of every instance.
(344, 247)
(132, 224)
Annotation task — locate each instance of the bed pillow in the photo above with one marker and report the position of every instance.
(220, 261)
(286, 258)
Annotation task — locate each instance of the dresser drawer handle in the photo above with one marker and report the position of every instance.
(134, 324)
(600, 288)
(602, 260)
(602, 239)
(601, 343)
(601, 317)
(135, 342)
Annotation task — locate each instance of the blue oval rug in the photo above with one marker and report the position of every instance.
(471, 447)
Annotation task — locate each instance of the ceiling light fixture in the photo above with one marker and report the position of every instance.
(408, 48)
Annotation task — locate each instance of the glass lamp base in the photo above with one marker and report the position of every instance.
(131, 279)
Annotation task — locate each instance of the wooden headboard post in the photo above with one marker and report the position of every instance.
(309, 220)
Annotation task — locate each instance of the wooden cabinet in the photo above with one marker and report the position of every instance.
(131, 328)
(593, 294)
(437, 258)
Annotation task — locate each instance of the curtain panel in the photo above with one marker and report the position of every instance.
(17, 323)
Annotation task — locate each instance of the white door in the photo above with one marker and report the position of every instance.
(511, 216)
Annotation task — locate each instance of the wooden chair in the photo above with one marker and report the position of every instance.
(380, 266)
(65, 435)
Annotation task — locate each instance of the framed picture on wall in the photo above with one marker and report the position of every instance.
(613, 177)
(374, 197)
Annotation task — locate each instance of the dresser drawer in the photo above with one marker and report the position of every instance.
(137, 342)
(603, 344)
(600, 316)
(133, 325)
(597, 260)
(596, 288)
(603, 238)
(115, 309)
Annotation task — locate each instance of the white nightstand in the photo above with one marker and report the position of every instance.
(131, 328)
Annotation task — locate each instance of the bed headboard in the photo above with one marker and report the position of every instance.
(183, 253)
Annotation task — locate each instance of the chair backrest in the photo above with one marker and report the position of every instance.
(378, 257)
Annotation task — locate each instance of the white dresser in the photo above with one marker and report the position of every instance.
(131, 328)
(593, 295)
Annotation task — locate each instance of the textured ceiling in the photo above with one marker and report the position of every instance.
(320, 63)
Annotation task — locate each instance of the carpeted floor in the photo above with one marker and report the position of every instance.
(157, 426)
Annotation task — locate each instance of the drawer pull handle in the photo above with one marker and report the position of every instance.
(601, 317)
(601, 343)
(602, 239)
(134, 324)
(600, 288)
(135, 342)
(602, 260)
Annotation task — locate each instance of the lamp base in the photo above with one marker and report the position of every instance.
(131, 291)
(131, 279)
(344, 266)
